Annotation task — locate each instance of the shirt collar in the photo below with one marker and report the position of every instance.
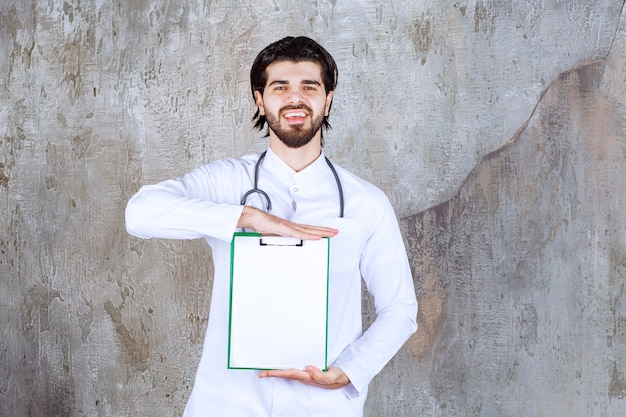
(278, 167)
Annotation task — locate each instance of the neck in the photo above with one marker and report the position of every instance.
(298, 158)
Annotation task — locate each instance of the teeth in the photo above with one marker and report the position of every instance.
(295, 114)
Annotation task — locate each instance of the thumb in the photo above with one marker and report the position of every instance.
(314, 372)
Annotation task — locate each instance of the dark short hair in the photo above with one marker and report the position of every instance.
(292, 49)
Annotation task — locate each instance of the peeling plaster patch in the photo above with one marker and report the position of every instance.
(12, 143)
(427, 237)
(35, 311)
(483, 22)
(196, 328)
(421, 34)
(430, 320)
(80, 145)
(68, 10)
(586, 78)
(19, 34)
(137, 352)
(85, 320)
(462, 9)
(4, 180)
(527, 323)
(617, 386)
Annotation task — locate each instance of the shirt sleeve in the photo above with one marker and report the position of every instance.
(202, 203)
(387, 275)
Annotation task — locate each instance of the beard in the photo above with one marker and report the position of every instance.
(295, 136)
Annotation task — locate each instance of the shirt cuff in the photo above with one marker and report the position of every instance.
(350, 391)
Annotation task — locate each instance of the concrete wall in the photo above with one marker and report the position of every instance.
(497, 129)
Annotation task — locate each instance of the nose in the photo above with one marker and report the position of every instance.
(294, 97)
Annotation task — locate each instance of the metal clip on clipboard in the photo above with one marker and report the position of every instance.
(279, 241)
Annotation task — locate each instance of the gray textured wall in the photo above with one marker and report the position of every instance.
(497, 128)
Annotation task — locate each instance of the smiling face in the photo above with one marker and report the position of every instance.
(294, 102)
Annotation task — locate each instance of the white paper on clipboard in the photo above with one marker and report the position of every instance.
(278, 302)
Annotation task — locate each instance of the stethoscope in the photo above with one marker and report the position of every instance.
(268, 201)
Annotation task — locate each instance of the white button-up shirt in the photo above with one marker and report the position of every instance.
(206, 204)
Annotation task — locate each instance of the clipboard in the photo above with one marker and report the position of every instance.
(278, 317)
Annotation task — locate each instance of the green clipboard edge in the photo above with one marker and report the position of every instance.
(230, 301)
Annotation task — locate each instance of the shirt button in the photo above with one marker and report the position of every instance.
(295, 189)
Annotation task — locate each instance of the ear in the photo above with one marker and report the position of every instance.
(329, 101)
(258, 97)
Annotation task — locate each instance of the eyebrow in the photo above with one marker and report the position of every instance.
(303, 82)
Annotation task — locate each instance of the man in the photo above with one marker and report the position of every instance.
(293, 82)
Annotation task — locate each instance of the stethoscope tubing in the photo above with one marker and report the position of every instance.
(256, 189)
(268, 201)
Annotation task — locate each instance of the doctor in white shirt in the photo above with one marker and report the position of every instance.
(293, 81)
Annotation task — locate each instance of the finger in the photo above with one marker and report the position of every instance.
(279, 373)
(267, 223)
(309, 233)
(306, 232)
(318, 230)
(285, 373)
